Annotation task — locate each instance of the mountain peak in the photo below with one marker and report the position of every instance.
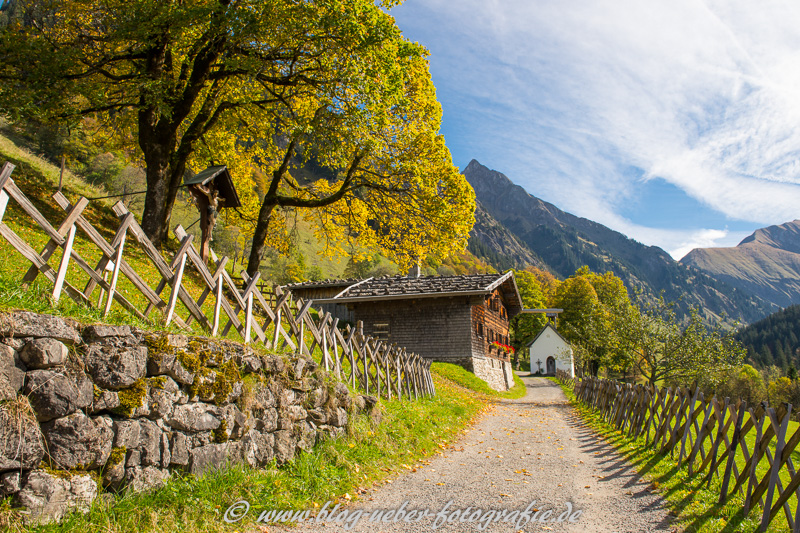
(565, 242)
(766, 263)
(783, 237)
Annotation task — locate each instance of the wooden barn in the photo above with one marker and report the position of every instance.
(454, 319)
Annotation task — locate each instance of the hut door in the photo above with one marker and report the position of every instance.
(551, 365)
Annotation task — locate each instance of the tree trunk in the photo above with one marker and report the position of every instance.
(164, 172)
(259, 237)
(155, 217)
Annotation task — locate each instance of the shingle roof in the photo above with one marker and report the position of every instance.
(324, 283)
(399, 287)
(396, 285)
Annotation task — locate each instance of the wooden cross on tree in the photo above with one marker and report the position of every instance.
(212, 190)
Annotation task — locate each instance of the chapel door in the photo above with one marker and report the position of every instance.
(551, 365)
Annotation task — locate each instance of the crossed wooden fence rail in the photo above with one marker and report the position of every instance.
(274, 319)
(749, 448)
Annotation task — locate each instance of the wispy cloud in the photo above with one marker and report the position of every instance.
(566, 98)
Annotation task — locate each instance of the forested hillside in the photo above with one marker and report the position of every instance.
(774, 340)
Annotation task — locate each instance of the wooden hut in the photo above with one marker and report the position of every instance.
(455, 319)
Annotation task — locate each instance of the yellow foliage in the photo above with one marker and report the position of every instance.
(268, 88)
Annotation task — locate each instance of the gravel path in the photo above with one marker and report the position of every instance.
(535, 449)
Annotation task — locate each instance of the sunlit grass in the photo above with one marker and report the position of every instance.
(692, 499)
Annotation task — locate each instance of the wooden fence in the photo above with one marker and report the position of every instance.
(748, 448)
(272, 318)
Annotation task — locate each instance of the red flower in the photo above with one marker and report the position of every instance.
(504, 347)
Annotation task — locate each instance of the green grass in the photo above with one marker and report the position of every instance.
(336, 470)
(471, 381)
(692, 502)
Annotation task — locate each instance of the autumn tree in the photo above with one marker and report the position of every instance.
(744, 382)
(662, 349)
(590, 302)
(548, 283)
(525, 326)
(264, 84)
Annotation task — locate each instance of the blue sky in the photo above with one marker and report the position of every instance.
(675, 122)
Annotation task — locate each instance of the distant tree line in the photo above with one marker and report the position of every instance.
(773, 341)
(613, 337)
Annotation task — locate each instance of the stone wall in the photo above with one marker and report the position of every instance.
(86, 408)
(498, 374)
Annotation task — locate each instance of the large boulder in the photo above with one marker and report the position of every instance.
(12, 370)
(49, 498)
(140, 479)
(21, 443)
(27, 324)
(213, 456)
(195, 417)
(78, 441)
(149, 443)
(116, 362)
(44, 353)
(52, 394)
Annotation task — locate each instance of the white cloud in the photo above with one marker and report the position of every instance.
(563, 97)
(701, 239)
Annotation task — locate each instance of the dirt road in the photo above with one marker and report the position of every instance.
(532, 454)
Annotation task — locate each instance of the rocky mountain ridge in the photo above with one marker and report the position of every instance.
(766, 263)
(565, 242)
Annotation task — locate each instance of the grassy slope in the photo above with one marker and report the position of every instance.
(469, 380)
(38, 179)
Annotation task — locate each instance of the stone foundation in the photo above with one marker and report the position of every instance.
(499, 375)
(85, 408)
